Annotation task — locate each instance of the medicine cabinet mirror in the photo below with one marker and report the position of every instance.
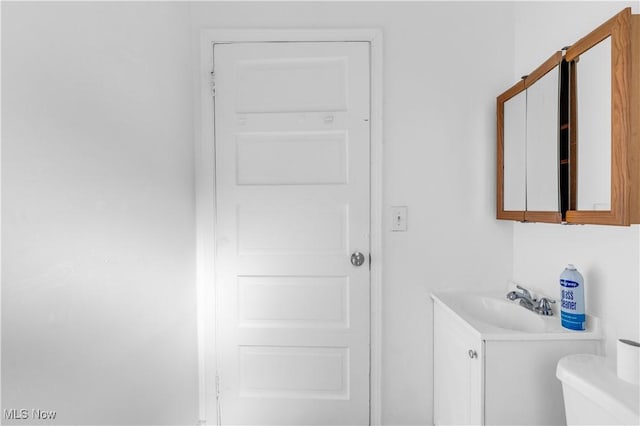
(605, 112)
(569, 133)
(528, 132)
(593, 107)
(512, 110)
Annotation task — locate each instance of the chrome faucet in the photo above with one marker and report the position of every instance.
(525, 297)
(541, 307)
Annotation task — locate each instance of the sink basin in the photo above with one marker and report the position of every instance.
(491, 313)
(501, 313)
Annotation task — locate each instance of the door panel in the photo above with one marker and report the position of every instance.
(294, 372)
(293, 302)
(286, 226)
(291, 84)
(265, 158)
(292, 204)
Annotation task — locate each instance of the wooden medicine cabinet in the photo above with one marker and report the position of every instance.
(594, 176)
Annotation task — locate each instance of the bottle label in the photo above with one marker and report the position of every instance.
(574, 322)
(569, 283)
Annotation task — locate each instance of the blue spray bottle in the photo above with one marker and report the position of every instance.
(572, 313)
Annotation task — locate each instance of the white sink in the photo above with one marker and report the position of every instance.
(501, 313)
(493, 315)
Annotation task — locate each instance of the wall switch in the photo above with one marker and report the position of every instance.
(399, 218)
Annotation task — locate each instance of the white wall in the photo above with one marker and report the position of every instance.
(98, 293)
(444, 64)
(608, 257)
(98, 301)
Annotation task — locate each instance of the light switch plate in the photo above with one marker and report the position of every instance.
(399, 218)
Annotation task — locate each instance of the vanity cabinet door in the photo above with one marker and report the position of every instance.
(458, 372)
(605, 116)
(521, 387)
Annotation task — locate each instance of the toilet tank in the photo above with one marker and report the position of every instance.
(593, 393)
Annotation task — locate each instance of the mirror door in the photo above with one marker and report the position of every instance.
(528, 131)
(601, 66)
(511, 148)
(542, 139)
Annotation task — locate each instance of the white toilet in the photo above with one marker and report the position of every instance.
(593, 393)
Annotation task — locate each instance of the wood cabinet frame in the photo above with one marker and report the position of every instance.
(624, 31)
(519, 87)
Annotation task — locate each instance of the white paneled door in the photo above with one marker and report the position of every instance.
(292, 207)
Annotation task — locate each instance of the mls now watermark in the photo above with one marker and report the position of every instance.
(25, 414)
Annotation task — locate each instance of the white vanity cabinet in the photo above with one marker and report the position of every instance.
(485, 375)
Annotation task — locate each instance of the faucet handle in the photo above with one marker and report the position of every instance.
(524, 291)
(544, 306)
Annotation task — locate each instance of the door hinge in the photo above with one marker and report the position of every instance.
(212, 83)
(217, 386)
(369, 261)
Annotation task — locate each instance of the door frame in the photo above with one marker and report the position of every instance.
(205, 202)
